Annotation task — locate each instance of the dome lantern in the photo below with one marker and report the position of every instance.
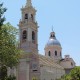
(52, 40)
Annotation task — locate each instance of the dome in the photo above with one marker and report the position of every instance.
(53, 42)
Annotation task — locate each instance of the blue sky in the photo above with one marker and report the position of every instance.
(64, 15)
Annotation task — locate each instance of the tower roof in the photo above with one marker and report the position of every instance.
(28, 3)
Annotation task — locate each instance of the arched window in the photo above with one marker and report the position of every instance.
(26, 16)
(52, 35)
(49, 53)
(31, 16)
(33, 35)
(24, 36)
(55, 53)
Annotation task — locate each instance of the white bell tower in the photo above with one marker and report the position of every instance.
(28, 29)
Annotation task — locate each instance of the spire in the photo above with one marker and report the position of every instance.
(52, 28)
(52, 34)
(28, 3)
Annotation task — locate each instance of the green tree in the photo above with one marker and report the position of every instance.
(2, 19)
(65, 77)
(2, 11)
(73, 75)
(9, 52)
(8, 46)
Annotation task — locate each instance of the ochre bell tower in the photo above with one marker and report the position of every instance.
(28, 29)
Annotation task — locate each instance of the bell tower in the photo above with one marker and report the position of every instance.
(28, 28)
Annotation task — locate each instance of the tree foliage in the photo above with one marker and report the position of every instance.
(73, 75)
(2, 11)
(9, 52)
(8, 46)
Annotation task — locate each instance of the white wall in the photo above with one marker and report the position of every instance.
(51, 73)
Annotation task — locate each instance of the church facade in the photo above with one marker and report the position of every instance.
(32, 65)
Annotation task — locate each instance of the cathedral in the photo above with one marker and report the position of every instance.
(32, 65)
